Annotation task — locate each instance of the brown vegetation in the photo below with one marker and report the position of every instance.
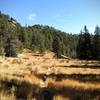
(45, 71)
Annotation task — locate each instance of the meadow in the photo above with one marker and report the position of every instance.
(34, 76)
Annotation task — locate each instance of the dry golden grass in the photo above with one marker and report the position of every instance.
(28, 64)
(74, 84)
(6, 96)
(60, 97)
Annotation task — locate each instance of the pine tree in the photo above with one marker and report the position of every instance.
(96, 44)
(84, 45)
(37, 43)
(1, 40)
(56, 47)
(87, 44)
(9, 48)
(2, 44)
(80, 47)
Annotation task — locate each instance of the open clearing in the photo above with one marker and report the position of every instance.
(45, 71)
(29, 65)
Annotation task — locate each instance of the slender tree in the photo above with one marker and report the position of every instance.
(84, 45)
(80, 46)
(56, 47)
(96, 43)
(87, 44)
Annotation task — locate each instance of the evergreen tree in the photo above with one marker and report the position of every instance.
(1, 40)
(22, 36)
(2, 44)
(84, 45)
(9, 49)
(80, 47)
(87, 44)
(56, 47)
(37, 43)
(96, 44)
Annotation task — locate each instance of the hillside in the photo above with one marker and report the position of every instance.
(39, 38)
(42, 38)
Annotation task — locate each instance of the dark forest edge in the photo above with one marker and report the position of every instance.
(40, 38)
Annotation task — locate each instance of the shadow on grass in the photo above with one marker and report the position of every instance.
(26, 91)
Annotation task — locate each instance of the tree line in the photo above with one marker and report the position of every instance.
(88, 46)
(41, 38)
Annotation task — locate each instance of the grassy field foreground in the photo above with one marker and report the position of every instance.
(35, 76)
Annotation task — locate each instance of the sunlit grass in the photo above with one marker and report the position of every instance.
(30, 69)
